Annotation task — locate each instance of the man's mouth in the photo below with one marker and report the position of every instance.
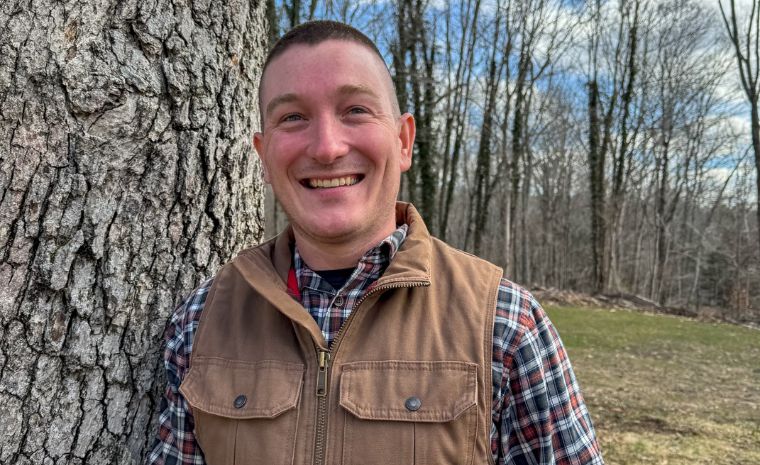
(327, 183)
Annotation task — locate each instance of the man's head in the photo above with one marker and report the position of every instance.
(333, 144)
(314, 33)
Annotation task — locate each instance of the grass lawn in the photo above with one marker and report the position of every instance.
(666, 390)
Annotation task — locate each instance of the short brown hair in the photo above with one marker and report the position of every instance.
(314, 33)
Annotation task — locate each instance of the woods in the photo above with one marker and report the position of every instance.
(127, 176)
(597, 146)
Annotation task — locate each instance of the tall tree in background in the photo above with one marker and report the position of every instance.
(484, 186)
(605, 87)
(542, 34)
(596, 155)
(458, 59)
(629, 127)
(746, 43)
(126, 176)
(414, 57)
(685, 71)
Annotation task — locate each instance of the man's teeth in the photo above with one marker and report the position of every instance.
(334, 182)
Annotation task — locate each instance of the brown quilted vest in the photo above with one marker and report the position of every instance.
(407, 380)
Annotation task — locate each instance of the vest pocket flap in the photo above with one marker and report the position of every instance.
(241, 390)
(408, 391)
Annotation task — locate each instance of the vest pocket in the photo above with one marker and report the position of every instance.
(409, 412)
(245, 412)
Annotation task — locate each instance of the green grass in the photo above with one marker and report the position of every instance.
(666, 390)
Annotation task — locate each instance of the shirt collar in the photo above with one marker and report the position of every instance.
(381, 254)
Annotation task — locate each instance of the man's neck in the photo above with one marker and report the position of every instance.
(336, 254)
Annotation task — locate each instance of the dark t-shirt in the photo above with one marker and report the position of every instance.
(337, 278)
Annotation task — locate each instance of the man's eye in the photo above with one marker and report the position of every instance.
(357, 110)
(292, 117)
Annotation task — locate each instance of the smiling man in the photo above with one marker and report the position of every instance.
(354, 337)
(333, 147)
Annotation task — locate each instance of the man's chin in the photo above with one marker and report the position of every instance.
(328, 230)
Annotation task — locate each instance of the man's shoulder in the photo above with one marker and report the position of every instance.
(450, 252)
(191, 306)
(189, 309)
(518, 314)
(197, 297)
(266, 246)
(516, 301)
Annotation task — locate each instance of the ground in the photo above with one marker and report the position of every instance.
(666, 390)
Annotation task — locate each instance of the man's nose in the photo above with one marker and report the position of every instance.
(328, 141)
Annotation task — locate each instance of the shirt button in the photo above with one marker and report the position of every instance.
(339, 301)
(413, 404)
(240, 401)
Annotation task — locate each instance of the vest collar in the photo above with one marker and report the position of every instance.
(411, 262)
(266, 268)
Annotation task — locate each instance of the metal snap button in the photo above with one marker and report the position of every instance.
(339, 301)
(413, 404)
(240, 401)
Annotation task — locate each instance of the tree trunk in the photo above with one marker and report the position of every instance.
(518, 151)
(127, 175)
(400, 48)
(483, 189)
(422, 83)
(461, 96)
(745, 49)
(755, 125)
(596, 160)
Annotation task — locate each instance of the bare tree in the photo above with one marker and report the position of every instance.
(606, 96)
(483, 182)
(414, 58)
(686, 73)
(126, 175)
(459, 71)
(746, 44)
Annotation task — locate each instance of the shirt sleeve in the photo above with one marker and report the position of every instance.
(539, 412)
(175, 442)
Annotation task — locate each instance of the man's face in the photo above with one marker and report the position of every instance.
(333, 147)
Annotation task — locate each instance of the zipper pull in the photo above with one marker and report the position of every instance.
(324, 364)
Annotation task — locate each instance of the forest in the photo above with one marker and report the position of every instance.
(604, 147)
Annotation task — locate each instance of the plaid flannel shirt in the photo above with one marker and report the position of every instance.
(538, 413)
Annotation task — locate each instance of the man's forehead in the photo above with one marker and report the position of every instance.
(335, 47)
(295, 57)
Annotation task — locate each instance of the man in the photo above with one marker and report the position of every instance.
(354, 337)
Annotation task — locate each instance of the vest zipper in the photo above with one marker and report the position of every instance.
(324, 364)
(323, 361)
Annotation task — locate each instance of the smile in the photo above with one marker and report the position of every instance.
(332, 182)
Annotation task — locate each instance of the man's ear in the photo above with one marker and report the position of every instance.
(407, 130)
(258, 141)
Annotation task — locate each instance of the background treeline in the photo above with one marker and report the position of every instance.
(598, 146)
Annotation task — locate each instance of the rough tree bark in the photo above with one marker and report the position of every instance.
(126, 175)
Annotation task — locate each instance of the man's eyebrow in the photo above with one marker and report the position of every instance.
(279, 100)
(343, 91)
(354, 89)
